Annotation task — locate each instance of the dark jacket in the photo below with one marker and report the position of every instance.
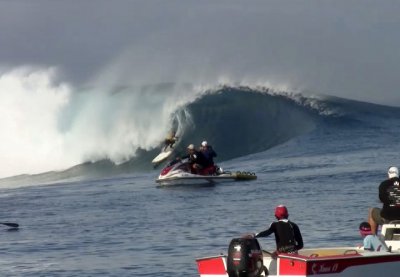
(197, 158)
(287, 236)
(209, 154)
(389, 194)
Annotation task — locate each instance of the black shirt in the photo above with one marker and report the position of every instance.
(389, 194)
(197, 158)
(287, 236)
(209, 154)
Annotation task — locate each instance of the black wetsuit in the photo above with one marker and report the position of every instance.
(169, 142)
(389, 194)
(287, 236)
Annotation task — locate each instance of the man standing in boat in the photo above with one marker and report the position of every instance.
(287, 234)
(389, 195)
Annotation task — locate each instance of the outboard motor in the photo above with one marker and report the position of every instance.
(245, 258)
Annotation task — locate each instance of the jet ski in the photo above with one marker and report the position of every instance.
(179, 172)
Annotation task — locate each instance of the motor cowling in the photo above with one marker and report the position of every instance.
(244, 258)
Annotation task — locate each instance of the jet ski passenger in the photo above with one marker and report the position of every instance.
(287, 234)
(389, 195)
(371, 241)
(197, 160)
(208, 153)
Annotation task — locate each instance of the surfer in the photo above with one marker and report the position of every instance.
(166, 150)
(389, 195)
(287, 234)
(170, 140)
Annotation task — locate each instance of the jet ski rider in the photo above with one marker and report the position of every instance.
(208, 153)
(196, 158)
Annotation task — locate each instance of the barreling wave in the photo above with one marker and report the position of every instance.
(236, 121)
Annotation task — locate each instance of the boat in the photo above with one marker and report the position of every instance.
(179, 172)
(245, 258)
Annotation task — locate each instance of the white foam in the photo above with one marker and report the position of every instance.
(50, 126)
(29, 105)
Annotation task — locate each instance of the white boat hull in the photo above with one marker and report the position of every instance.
(329, 262)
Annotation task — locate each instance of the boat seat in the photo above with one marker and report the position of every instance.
(392, 234)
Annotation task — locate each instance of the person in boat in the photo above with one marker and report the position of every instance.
(389, 195)
(287, 234)
(197, 161)
(371, 241)
(170, 140)
(208, 153)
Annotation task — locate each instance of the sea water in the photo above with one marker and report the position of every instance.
(125, 225)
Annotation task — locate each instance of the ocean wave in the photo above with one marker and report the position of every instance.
(120, 130)
(236, 121)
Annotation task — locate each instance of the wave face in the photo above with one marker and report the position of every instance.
(121, 132)
(240, 121)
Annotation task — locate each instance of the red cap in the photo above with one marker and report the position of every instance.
(365, 229)
(281, 212)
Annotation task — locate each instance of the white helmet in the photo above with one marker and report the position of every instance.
(190, 147)
(393, 172)
(204, 144)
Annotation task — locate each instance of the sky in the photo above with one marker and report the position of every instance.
(346, 48)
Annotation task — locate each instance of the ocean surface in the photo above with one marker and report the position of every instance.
(322, 157)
